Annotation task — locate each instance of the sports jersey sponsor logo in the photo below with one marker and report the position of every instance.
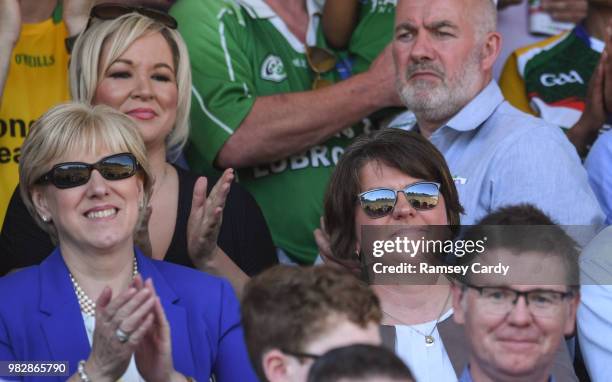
(316, 156)
(15, 128)
(384, 6)
(299, 63)
(273, 69)
(34, 61)
(550, 79)
(459, 180)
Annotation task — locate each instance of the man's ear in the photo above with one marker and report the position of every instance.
(458, 302)
(39, 199)
(490, 50)
(570, 321)
(274, 363)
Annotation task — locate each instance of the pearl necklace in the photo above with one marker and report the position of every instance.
(88, 306)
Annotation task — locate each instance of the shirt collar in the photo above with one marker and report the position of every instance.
(478, 110)
(259, 9)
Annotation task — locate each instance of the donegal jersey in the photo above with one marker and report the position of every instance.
(373, 32)
(37, 80)
(550, 78)
(241, 52)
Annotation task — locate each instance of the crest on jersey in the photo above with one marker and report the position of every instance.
(273, 69)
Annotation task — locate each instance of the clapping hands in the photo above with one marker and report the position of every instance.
(132, 323)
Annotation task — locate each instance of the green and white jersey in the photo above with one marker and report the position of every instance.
(373, 32)
(550, 78)
(240, 51)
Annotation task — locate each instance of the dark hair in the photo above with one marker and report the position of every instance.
(358, 362)
(406, 151)
(287, 307)
(524, 228)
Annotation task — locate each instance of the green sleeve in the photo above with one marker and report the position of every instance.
(222, 97)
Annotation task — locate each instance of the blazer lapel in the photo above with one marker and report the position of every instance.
(455, 343)
(389, 336)
(175, 313)
(63, 325)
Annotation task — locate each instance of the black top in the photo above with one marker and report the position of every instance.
(244, 234)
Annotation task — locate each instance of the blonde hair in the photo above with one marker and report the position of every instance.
(118, 35)
(77, 128)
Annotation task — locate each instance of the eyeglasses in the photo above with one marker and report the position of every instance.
(501, 300)
(380, 202)
(111, 11)
(73, 174)
(321, 61)
(300, 354)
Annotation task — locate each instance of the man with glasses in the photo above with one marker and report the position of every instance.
(515, 324)
(293, 315)
(264, 103)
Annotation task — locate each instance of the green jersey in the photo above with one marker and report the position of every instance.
(550, 78)
(373, 32)
(240, 51)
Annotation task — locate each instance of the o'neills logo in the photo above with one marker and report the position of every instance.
(273, 69)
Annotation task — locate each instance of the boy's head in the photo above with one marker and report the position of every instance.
(292, 315)
(359, 363)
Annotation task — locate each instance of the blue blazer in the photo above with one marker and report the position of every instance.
(40, 319)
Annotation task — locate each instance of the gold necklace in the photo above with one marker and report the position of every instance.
(429, 339)
(88, 306)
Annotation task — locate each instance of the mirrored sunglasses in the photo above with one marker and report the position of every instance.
(380, 202)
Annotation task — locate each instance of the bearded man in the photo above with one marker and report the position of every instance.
(444, 51)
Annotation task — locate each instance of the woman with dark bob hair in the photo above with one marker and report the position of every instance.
(409, 153)
(397, 178)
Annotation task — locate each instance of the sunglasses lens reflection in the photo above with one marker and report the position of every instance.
(117, 167)
(422, 196)
(70, 175)
(378, 203)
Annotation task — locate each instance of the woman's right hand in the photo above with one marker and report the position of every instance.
(131, 312)
(324, 244)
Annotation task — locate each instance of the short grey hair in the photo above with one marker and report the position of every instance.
(118, 34)
(486, 21)
(76, 128)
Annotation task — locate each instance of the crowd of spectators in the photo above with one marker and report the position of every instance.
(160, 158)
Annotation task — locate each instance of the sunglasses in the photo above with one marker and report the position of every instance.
(380, 202)
(73, 174)
(110, 11)
(320, 61)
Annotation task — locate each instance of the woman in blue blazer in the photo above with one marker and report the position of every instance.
(85, 178)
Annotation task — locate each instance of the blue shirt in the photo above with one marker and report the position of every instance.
(599, 167)
(466, 376)
(500, 156)
(594, 317)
